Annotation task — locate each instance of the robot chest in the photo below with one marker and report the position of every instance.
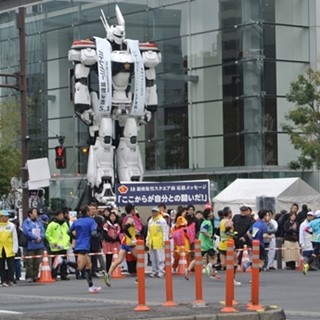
(121, 62)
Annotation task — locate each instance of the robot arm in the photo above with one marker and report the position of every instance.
(151, 58)
(83, 55)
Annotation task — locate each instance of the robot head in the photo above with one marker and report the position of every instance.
(114, 33)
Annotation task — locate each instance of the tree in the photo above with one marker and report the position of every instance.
(304, 126)
(10, 146)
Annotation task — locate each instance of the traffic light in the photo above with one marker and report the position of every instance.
(61, 157)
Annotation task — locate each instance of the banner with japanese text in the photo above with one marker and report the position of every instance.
(170, 193)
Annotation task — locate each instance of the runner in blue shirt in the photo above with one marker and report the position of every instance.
(82, 230)
(259, 231)
(314, 229)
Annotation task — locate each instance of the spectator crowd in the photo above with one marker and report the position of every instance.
(96, 241)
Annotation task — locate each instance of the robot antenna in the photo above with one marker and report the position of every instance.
(119, 17)
(104, 21)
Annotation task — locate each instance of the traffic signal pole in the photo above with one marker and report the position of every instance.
(21, 85)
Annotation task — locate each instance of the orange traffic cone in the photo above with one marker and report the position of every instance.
(182, 262)
(245, 260)
(117, 271)
(45, 273)
(301, 263)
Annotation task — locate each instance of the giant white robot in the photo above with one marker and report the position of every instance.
(114, 94)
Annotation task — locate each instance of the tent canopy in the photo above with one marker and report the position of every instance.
(279, 193)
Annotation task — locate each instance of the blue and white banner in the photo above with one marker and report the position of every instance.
(170, 193)
(139, 79)
(104, 49)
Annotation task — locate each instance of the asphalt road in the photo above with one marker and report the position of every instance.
(297, 294)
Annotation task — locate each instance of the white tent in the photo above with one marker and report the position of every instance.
(278, 193)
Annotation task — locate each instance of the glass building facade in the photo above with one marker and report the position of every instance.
(226, 68)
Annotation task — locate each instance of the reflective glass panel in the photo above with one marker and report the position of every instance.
(292, 43)
(205, 49)
(204, 15)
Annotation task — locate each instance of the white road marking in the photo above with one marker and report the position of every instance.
(10, 312)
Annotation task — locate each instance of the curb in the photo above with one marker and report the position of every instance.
(271, 314)
(181, 312)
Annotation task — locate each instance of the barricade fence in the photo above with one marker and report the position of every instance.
(23, 257)
(198, 302)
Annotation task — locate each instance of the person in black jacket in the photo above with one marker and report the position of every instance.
(302, 215)
(241, 223)
(291, 253)
(198, 220)
(96, 242)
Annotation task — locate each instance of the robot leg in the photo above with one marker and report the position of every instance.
(100, 172)
(129, 163)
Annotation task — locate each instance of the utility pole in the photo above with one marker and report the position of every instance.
(23, 100)
(21, 86)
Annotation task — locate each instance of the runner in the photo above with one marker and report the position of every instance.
(128, 243)
(207, 247)
(82, 230)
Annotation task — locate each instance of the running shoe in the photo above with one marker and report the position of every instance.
(305, 269)
(236, 283)
(107, 278)
(94, 289)
(214, 275)
(245, 266)
(207, 270)
(186, 274)
(56, 262)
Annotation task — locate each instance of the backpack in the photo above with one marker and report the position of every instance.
(22, 239)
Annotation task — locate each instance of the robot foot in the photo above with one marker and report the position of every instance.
(106, 195)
